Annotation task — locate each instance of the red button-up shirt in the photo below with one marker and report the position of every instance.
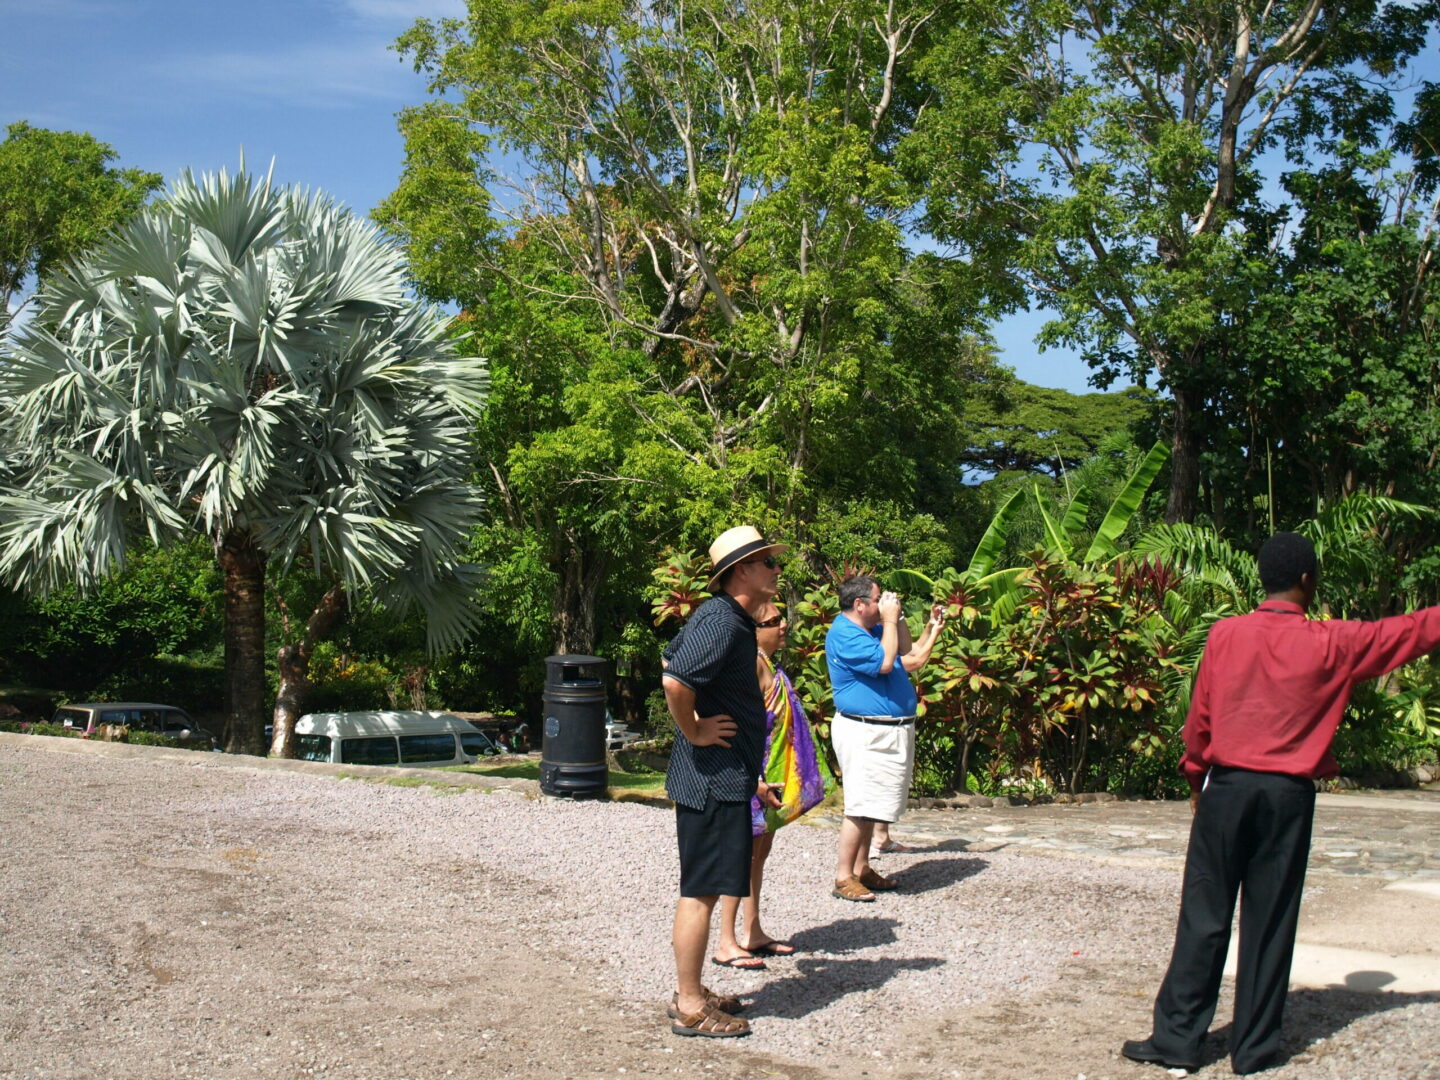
(1273, 686)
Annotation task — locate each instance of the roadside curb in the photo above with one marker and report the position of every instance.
(198, 759)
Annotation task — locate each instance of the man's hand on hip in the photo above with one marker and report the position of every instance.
(713, 730)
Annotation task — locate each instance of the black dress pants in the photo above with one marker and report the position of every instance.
(1250, 834)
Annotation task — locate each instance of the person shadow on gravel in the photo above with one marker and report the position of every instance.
(845, 936)
(927, 875)
(819, 981)
(1313, 1015)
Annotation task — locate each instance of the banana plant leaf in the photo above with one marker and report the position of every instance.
(1123, 509)
(1054, 538)
(910, 583)
(1073, 523)
(992, 544)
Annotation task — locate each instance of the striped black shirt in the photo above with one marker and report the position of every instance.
(715, 656)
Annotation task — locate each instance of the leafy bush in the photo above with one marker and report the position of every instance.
(196, 684)
(658, 725)
(43, 727)
(151, 738)
(344, 683)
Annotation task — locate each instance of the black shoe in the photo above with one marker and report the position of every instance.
(1269, 1061)
(1144, 1050)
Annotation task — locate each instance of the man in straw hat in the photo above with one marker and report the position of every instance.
(714, 698)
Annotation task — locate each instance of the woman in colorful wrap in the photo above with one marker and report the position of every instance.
(794, 764)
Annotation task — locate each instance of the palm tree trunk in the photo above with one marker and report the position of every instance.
(293, 660)
(243, 566)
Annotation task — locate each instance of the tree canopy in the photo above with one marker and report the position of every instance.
(58, 195)
(695, 287)
(1106, 155)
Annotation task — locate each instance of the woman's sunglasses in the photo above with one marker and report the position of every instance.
(776, 621)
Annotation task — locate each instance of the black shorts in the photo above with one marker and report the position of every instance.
(714, 848)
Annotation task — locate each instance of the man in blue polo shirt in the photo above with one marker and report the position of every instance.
(870, 655)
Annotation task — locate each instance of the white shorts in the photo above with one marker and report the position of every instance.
(877, 762)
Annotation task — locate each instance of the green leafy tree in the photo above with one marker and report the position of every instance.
(1030, 428)
(700, 277)
(241, 363)
(58, 196)
(1106, 150)
(1333, 352)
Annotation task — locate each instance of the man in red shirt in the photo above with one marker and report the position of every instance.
(1271, 690)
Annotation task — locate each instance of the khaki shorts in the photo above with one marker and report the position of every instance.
(877, 762)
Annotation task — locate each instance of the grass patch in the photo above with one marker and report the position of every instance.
(638, 780)
(528, 770)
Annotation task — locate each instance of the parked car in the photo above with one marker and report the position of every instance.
(391, 737)
(166, 720)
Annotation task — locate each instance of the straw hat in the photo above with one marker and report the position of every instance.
(735, 545)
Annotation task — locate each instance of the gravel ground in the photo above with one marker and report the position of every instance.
(172, 920)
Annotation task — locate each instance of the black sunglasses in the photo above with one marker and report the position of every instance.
(776, 621)
(769, 562)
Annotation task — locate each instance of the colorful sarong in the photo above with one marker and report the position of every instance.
(791, 758)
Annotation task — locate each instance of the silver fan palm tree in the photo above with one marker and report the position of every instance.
(242, 361)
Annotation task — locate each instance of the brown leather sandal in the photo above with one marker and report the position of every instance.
(873, 879)
(711, 1023)
(724, 1002)
(850, 889)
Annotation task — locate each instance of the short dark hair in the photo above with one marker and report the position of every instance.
(1283, 559)
(856, 587)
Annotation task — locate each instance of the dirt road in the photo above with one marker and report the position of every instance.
(171, 916)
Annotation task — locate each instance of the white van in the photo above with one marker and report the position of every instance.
(414, 739)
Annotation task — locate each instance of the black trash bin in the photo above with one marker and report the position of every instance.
(572, 757)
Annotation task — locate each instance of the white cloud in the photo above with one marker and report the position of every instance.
(404, 11)
(329, 74)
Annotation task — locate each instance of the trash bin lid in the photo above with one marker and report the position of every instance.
(575, 659)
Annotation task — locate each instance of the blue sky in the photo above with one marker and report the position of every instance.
(311, 84)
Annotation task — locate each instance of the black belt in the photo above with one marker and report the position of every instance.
(879, 719)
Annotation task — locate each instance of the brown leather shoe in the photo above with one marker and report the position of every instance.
(872, 879)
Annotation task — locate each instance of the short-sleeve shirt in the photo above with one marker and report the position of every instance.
(715, 657)
(854, 656)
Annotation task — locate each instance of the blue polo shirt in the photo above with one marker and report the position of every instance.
(854, 656)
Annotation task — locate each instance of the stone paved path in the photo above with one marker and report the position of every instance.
(1392, 835)
(1372, 886)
